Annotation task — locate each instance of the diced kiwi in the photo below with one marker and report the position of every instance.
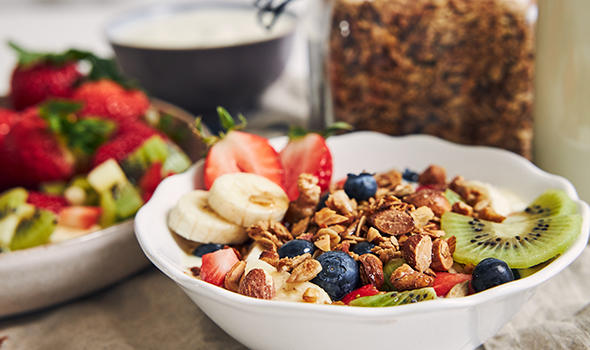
(520, 244)
(396, 298)
(389, 268)
(452, 196)
(127, 200)
(550, 203)
(151, 150)
(12, 208)
(108, 214)
(91, 194)
(56, 188)
(34, 230)
(177, 161)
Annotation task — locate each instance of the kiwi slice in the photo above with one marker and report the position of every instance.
(395, 298)
(520, 244)
(127, 200)
(389, 268)
(550, 203)
(151, 150)
(452, 196)
(34, 230)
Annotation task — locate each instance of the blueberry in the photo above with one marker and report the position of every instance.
(410, 176)
(516, 274)
(490, 272)
(207, 248)
(363, 248)
(322, 202)
(339, 275)
(295, 247)
(360, 187)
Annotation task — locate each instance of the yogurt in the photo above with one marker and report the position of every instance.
(205, 27)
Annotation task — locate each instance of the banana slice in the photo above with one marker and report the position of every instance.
(246, 199)
(193, 219)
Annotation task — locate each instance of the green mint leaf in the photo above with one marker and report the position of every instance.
(84, 134)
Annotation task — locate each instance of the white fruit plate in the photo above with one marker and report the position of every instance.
(42, 276)
(461, 323)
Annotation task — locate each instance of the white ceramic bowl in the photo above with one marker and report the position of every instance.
(461, 323)
(42, 276)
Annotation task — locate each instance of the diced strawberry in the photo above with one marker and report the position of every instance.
(216, 265)
(79, 217)
(47, 201)
(239, 151)
(444, 281)
(308, 154)
(32, 85)
(150, 180)
(363, 291)
(107, 99)
(32, 154)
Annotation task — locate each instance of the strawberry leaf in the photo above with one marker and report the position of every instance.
(296, 132)
(85, 134)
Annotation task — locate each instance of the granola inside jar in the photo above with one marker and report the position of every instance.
(458, 69)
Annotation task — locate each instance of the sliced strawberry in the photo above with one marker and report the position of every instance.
(79, 217)
(363, 291)
(216, 265)
(105, 98)
(444, 281)
(307, 154)
(150, 180)
(47, 201)
(239, 151)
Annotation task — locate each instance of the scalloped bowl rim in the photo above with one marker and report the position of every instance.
(224, 296)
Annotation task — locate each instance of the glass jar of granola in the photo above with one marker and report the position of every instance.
(458, 69)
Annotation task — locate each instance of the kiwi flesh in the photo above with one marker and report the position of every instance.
(550, 203)
(452, 196)
(521, 244)
(395, 298)
(13, 208)
(34, 230)
(137, 163)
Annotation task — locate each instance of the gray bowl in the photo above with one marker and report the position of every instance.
(202, 78)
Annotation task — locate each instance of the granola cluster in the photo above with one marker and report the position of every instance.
(459, 69)
(402, 221)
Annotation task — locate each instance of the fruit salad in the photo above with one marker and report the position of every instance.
(77, 152)
(272, 225)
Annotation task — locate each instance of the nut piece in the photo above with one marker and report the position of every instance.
(393, 221)
(371, 270)
(405, 278)
(311, 295)
(323, 243)
(490, 214)
(270, 256)
(390, 179)
(442, 259)
(305, 271)
(417, 251)
(433, 175)
(327, 217)
(452, 242)
(462, 208)
(309, 197)
(433, 199)
(459, 290)
(257, 284)
(422, 216)
(340, 202)
(233, 277)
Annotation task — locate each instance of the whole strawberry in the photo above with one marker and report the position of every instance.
(39, 76)
(106, 98)
(31, 154)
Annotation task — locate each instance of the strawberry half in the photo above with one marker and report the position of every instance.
(364, 291)
(105, 98)
(79, 217)
(47, 201)
(216, 265)
(238, 151)
(308, 154)
(444, 281)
